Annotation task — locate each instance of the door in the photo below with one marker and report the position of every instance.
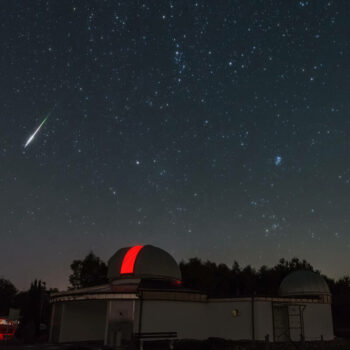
(281, 323)
(296, 328)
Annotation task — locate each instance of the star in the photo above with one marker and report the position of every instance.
(278, 160)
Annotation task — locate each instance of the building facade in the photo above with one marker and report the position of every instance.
(144, 298)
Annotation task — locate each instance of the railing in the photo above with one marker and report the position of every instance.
(154, 336)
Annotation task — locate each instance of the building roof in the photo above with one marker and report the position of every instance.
(301, 283)
(144, 262)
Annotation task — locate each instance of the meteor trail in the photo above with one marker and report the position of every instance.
(31, 138)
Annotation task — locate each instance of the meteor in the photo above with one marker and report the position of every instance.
(31, 138)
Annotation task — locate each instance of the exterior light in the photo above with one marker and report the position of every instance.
(235, 313)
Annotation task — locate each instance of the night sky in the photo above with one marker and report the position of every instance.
(217, 129)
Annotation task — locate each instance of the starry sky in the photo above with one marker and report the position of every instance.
(218, 129)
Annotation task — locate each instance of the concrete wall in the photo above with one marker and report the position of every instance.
(121, 323)
(263, 320)
(318, 321)
(222, 323)
(314, 318)
(188, 319)
(194, 320)
(87, 320)
(55, 325)
(83, 321)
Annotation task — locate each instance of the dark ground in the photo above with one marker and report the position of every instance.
(210, 344)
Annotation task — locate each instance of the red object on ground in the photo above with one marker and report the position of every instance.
(129, 259)
(7, 329)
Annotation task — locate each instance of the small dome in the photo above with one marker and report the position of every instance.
(304, 283)
(145, 262)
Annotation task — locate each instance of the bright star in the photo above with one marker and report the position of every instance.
(278, 160)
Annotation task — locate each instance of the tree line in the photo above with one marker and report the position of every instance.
(214, 279)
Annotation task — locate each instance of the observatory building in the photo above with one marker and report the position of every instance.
(144, 300)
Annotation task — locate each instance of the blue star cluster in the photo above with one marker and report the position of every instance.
(217, 129)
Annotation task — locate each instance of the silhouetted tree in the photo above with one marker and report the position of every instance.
(340, 290)
(247, 281)
(35, 309)
(194, 274)
(90, 271)
(234, 278)
(7, 294)
(219, 280)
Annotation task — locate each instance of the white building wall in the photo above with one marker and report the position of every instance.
(201, 320)
(263, 320)
(222, 323)
(318, 321)
(120, 322)
(83, 321)
(87, 320)
(188, 319)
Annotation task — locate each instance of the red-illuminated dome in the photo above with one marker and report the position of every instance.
(144, 262)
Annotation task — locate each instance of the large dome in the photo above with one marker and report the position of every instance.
(145, 262)
(304, 283)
